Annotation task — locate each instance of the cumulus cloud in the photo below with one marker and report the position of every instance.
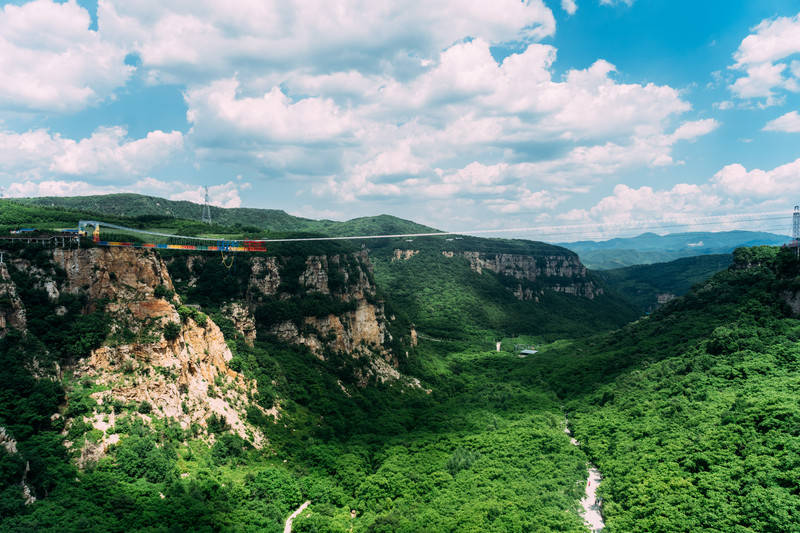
(50, 59)
(763, 57)
(737, 181)
(108, 153)
(466, 125)
(686, 207)
(217, 112)
(176, 39)
(354, 101)
(790, 123)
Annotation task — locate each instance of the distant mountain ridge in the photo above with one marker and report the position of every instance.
(649, 286)
(138, 205)
(649, 248)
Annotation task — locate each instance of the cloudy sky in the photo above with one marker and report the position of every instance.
(460, 114)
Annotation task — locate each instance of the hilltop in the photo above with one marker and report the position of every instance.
(275, 220)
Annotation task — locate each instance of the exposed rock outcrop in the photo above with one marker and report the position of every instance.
(265, 278)
(359, 331)
(404, 255)
(12, 312)
(560, 273)
(7, 441)
(242, 318)
(186, 378)
(126, 277)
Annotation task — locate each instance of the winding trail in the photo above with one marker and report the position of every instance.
(592, 513)
(288, 527)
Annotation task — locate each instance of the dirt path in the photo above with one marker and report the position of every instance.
(288, 527)
(592, 515)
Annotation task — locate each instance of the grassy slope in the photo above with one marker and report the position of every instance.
(641, 284)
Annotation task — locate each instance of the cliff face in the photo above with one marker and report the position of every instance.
(354, 323)
(560, 273)
(327, 303)
(185, 378)
(12, 312)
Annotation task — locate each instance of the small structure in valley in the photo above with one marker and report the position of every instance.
(524, 350)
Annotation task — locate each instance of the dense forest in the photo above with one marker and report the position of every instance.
(690, 413)
(644, 285)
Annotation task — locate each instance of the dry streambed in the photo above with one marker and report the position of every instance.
(592, 512)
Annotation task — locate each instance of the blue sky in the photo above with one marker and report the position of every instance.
(604, 114)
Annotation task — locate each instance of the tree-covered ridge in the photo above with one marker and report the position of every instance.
(643, 284)
(691, 414)
(274, 220)
(445, 298)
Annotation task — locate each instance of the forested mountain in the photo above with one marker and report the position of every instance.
(145, 391)
(691, 414)
(149, 207)
(649, 286)
(651, 248)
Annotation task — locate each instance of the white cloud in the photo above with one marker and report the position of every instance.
(632, 211)
(54, 188)
(465, 112)
(107, 153)
(51, 60)
(790, 123)
(710, 206)
(762, 57)
(217, 110)
(177, 40)
(779, 182)
(616, 2)
(569, 6)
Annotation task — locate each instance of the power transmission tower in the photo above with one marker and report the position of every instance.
(206, 218)
(796, 229)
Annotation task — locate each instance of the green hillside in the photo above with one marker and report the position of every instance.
(691, 414)
(444, 297)
(642, 284)
(274, 220)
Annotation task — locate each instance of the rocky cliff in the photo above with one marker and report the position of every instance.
(528, 275)
(12, 312)
(328, 303)
(158, 359)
